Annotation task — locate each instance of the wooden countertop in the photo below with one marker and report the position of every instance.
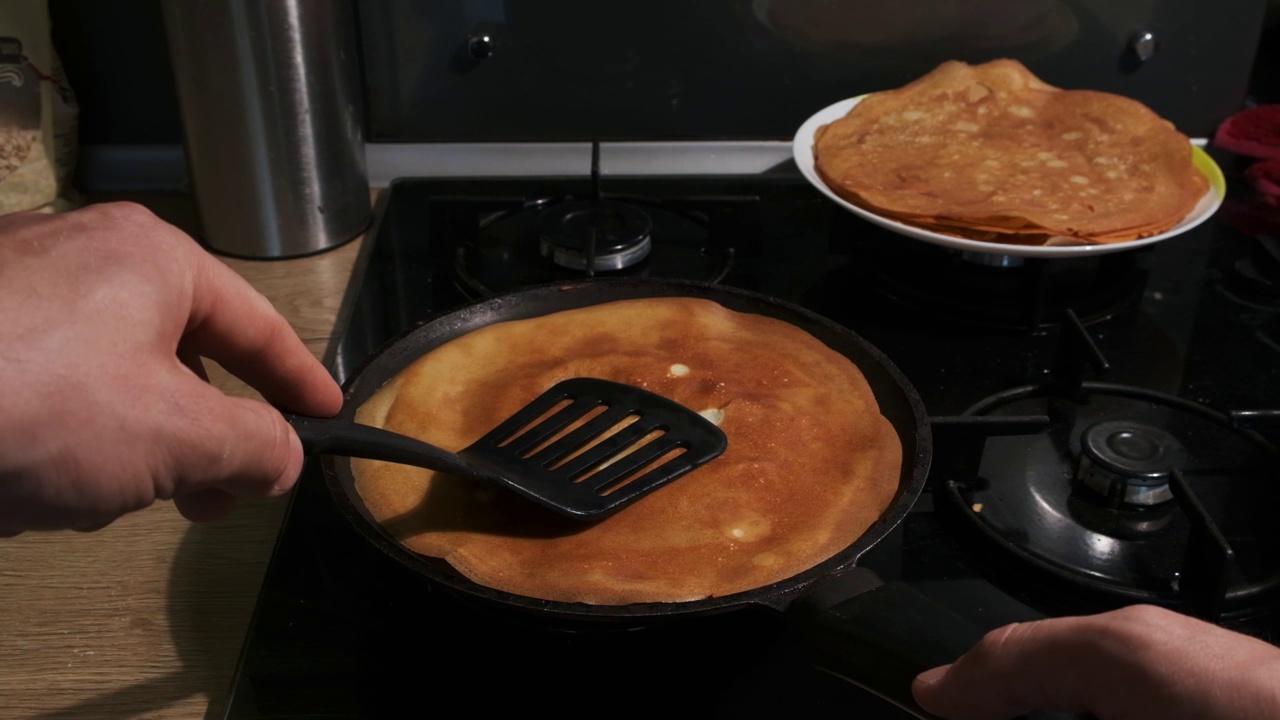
(146, 617)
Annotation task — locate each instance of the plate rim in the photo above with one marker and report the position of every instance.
(802, 154)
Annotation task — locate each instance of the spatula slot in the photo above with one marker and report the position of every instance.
(610, 474)
(608, 449)
(656, 461)
(534, 436)
(603, 434)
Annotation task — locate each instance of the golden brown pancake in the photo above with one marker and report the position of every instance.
(811, 463)
(991, 150)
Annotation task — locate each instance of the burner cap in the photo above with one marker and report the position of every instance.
(1140, 452)
(620, 233)
(1129, 461)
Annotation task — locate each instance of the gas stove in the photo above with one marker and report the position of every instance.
(1105, 433)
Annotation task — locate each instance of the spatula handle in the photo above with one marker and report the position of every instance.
(324, 436)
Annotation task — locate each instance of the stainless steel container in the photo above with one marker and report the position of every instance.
(271, 111)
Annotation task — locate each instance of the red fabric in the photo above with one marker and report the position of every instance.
(1254, 133)
(1265, 178)
(1251, 216)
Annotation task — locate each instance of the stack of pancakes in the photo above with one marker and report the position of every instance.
(989, 152)
(810, 465)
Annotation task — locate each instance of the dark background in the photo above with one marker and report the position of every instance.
(576, 70)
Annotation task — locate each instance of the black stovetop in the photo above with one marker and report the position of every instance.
(340, 630)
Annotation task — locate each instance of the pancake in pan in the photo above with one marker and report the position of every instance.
(811, 463)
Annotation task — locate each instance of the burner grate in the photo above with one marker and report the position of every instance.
(510, 249)
(1002, 292)
(1181, 515)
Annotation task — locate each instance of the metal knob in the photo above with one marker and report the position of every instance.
(1144, 45)
(480, 46)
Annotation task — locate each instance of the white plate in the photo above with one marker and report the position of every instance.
(802, 149)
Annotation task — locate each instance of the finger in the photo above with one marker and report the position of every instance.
(94, 526)
(1015, 669)
(1139, 662)
(13, 221)
(242, 446)
(205, 505)
(234, 325)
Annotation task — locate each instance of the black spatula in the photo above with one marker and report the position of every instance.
(532, 454)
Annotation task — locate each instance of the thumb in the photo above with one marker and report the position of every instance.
(1140, 662)
(237, 446)
(1012, 670)
(205, 505)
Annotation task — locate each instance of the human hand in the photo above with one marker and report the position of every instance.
(105, 313)
(1137, 663)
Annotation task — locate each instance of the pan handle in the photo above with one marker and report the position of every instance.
(880, 635)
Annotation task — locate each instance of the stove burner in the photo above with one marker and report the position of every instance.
(999, 291)
(1115, 494)
(990, 260)
(549, 239)
(595, 234)
(1128, 462)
